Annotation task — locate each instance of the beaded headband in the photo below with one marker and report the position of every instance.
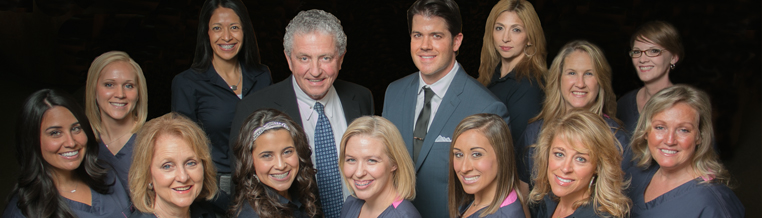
(268, 126)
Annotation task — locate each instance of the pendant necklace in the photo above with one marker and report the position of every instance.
(235, 87)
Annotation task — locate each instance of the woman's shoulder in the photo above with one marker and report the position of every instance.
(717, 199)
(11, 210)
(403, 208)
(511, 206)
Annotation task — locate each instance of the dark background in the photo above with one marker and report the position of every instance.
(51, 43)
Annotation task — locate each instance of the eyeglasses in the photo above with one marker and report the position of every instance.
(650, 52)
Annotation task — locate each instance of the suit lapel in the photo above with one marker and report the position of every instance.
(408, 100)
(289, 107)
(444, 113)
(348, 102)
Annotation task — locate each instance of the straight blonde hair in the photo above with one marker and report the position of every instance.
(91, 105)
(384, 130)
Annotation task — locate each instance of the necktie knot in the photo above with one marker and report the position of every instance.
(428, 94)
(319, 107)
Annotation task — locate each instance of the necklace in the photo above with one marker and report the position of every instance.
(75, 188)
(115, 139)
(235, 87)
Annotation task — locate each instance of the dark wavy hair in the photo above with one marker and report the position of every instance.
(37, 193)
(249, 190)
(248, 56)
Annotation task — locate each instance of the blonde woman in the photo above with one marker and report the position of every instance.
(677, 172)
(578, 172)
(116, 102)
(376, 165)
(483, 180)
(513, 60)
(579, 78)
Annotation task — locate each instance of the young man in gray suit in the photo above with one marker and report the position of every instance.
(314, 45)
(426, 106)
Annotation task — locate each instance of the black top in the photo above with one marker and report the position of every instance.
(533, 132)
(548, 206)
(116, 203)
(398, 209)
(523, 98)
(692, 199)
(511, 208)
(297, 210)
(195, 210)
(627, 110)
(120, 162)
(206, 99)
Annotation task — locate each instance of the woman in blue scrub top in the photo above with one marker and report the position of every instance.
(60, 172)
(676, 172)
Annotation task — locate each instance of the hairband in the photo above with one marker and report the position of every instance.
(268, 126)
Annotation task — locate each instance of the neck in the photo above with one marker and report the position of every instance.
(651, 88)
(116, 128)
(65, 178)
(679, 175)
(225, 67)
(165, 211)
(565, 207)
(486, 195)
(431, 79)
(508, 64)
(382, 201)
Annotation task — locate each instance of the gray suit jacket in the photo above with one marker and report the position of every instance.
(464, 97)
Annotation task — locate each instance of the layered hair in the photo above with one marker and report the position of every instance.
(174, 124)
(250, 191)
(140, 112)
(555, 105)
(704, 161)
(384, 130)
(585, 131)
(532, 66)
(496, 131)
(248, 56)
(662, 34)
(446, 9)
(36, 190)
(312, 21)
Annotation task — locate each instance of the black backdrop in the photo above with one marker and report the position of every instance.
(51, 43)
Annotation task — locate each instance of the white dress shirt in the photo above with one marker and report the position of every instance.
(334, 112)
(439, 87)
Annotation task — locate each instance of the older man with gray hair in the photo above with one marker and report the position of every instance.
(314, 45)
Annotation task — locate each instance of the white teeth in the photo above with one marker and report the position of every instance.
(280, 176)
(70, 154)
(314, 80)
(362, 183)
(227, 46)
(646, 68)
(563, 180)
(183, 188)
(471, 178)
(578, 93)
(668, 151)
(427, 56)
(119, 104)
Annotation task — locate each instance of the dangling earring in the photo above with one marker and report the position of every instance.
(671, 66)
(527, 47)
(257, 178)
(589, 186)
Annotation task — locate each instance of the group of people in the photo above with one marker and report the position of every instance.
(521, 140)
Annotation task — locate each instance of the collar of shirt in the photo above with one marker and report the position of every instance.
(496, 75)
(326, 101)
(439, 87)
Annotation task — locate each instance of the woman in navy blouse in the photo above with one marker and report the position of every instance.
(116, 102)
(676, 171)
(378, 168)
(513, 60)
(483, 180)
(656, 49)
(226, 68)
(60, 172)
(274, 174)
(578, 173)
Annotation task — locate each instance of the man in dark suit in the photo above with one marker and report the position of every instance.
(426, 106)
(314, 45)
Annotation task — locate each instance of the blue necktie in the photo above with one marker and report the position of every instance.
(328, 176)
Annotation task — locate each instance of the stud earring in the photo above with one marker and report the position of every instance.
(150, 186)
(671, 66)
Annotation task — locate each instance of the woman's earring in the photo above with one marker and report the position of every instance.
(257, 178)
(589, 186)
(527, 47)
(150, 185)
(671, 66)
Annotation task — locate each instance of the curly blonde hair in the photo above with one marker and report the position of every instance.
(588, 130)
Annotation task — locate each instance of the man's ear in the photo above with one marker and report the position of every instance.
(288, 59)
(456, 41)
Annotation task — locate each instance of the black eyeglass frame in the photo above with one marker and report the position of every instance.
(637, 53)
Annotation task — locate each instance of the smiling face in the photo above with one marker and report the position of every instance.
(652, 69)
(510, 37)
(475, 163)
(275, 160)
(433, 47)
(116, 92)
(673, 135)
(177, 173)
(225, 33)
(569, 169)
(315, 62)
(579, 85)
(368, 168)
(62, 141)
